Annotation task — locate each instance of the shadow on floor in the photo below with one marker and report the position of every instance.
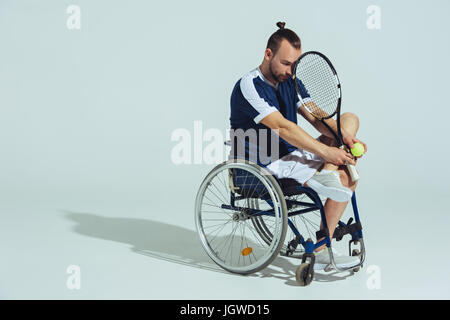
(175, 244)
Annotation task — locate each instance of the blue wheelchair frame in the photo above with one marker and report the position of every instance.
(342, 228)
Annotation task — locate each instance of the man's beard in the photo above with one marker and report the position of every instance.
(274, 76)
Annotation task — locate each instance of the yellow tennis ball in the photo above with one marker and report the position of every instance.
(358, 149)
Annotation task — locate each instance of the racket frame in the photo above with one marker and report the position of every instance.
(353, 173)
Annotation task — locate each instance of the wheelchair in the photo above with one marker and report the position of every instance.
(246, 217)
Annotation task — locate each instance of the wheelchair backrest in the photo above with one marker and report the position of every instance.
(246, 183)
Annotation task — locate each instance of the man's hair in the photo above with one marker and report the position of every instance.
(282, 33)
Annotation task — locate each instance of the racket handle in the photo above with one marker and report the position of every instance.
(353, 173)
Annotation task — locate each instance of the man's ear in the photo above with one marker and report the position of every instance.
(268, 54)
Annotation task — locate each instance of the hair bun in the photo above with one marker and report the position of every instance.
(281, 24)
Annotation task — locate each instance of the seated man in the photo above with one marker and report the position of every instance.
(265, 100)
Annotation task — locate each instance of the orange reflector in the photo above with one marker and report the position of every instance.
(246, 251)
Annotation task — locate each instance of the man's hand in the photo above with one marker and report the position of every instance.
(350, 140)
(338, 156)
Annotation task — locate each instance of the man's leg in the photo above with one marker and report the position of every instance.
(334, 209)
(350, 123)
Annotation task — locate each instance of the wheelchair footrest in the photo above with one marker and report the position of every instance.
(341, 230)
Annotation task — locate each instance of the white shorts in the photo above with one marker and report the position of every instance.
(300, 165)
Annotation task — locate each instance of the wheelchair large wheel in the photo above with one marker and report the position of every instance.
(225, 222)
(306, 223)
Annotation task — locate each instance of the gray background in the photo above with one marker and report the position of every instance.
(86, 118)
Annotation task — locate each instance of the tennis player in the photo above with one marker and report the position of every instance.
(265, 100)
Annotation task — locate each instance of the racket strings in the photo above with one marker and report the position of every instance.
(321, 83)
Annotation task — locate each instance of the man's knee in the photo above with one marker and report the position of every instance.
(350, 115)
(351, 119)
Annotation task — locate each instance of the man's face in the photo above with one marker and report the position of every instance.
(282, 63)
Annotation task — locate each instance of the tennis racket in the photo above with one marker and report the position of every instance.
(320, 79)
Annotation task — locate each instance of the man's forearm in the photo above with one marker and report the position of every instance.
(323, 129)
(316, 123)
(299, 138)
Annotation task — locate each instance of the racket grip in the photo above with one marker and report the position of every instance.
(353, 173)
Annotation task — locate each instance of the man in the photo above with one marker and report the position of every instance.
(265, 100)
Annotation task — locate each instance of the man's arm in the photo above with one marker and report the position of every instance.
(316, 123)
(346, 137)
(293, 134)
(299, 138)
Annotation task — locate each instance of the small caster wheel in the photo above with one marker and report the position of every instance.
(303, 276)
(355, 252)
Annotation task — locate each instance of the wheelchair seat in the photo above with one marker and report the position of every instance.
(289, 186)
(250, 187)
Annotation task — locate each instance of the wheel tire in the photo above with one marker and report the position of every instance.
(303, 276)
(270, 182)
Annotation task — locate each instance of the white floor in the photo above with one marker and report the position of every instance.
(131, 247)
(92, 120)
